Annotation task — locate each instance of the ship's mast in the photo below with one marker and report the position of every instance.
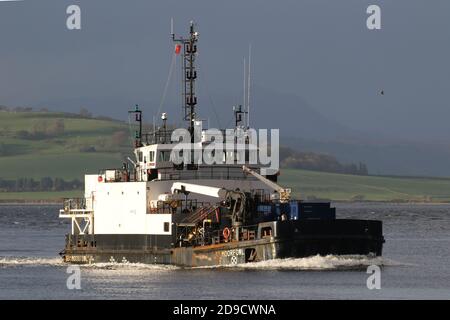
(189, 74)
(138, 133)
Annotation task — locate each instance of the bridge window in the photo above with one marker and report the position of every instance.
(164, 156)
(266, 232)
(230, 155)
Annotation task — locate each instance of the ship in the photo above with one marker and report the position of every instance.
(160, 209)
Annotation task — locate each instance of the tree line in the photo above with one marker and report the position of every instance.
(319, 162)
(42, 184)
(83, 113)
(42, 130)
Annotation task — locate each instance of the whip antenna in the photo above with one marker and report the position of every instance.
(248, 84)
(245, 92)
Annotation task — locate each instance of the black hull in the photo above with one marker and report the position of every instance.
(292, 239)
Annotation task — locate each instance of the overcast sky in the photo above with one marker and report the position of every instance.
(320, 51)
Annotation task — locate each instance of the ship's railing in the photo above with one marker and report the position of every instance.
(184, 206)
(158, 137)
(201, 213)
(162, 136)
(76, 205)
(205, 172)
(248, 232)
(115, 175)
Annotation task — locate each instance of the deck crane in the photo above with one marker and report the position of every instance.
(285, 193)
(182, 187)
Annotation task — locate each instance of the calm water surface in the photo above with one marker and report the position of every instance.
(415, 264)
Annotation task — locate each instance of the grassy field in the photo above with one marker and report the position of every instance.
(319, 185)
(62, 156)
(58, 155)
(77, 133)
(310, 184)
(67, 165)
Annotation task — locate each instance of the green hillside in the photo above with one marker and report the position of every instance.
(311, 184)
(68, 165)
(39, 144)
(60, 145)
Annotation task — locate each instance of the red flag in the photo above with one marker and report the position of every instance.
(177, 49)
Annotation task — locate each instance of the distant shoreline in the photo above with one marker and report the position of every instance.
(308, 185)
(59, 202)
(29, 202)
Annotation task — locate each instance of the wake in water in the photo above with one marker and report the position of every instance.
(329, 262)
(30, 261)
(130, 266)
(58, 262)
(324, 263)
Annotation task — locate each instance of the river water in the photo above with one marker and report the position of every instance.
(415, 264)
